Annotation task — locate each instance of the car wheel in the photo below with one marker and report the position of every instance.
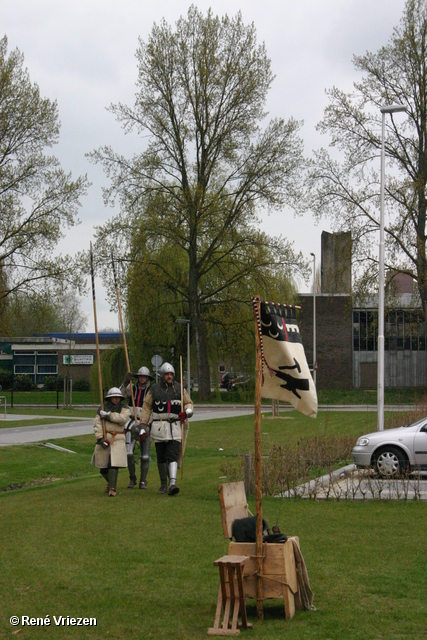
(391, 462)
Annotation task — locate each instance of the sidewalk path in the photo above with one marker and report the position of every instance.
(84, 426)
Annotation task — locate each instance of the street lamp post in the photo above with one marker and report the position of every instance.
(187, 322)
(314, 319)
(394, 108)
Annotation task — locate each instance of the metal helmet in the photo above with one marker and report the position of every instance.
(144, 371)
(166, 368)
(114, 392)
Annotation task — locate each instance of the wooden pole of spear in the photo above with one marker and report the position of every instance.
(258, 469)
(124, 335)
(104, 430)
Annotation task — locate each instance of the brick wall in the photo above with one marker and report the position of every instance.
(334, 348)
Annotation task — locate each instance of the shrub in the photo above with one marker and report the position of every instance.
(6, 378)
(23, 382)
(285, 467)
(52, 383)
(81, 384)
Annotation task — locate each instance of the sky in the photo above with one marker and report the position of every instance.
(82, 54)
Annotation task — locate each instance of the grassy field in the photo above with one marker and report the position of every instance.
(142, 564)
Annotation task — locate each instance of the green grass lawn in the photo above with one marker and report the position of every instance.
(142, 564)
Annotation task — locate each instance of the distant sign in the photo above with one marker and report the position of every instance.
(157, 361)
(80, 359)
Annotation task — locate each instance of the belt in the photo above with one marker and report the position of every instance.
(114, 434)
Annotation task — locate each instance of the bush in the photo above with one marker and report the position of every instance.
(81, 384)
(52, 383)
(6, 378)
(23, 382)
(287, 466)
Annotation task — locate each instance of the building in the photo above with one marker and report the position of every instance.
(347, 333)
(54, 354)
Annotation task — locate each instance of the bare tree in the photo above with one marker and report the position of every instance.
(345, 186)
(208, 166)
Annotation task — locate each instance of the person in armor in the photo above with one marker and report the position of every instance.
(162, 407)
(110, 452)
(140, 389)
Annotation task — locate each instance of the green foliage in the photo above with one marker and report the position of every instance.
(38, 200)
(189, 202)
(52, 383)
(50, 309)
(113, 370)
(6, 378)
(81, 384)
(23, 383)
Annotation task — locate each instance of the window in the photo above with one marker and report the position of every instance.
(403, 330)
(22, 368)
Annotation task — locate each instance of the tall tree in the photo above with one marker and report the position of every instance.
(346, 188)
(208, 165)
(50, 310)
(37, 199)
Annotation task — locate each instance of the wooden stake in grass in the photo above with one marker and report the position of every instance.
(123, 334)
(104, 430)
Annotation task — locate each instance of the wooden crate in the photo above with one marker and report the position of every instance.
(279, 578)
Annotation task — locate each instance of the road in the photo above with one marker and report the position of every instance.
(81, 427)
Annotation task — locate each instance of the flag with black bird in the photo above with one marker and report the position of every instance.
(285, 372)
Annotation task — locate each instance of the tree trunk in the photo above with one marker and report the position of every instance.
(203, 371)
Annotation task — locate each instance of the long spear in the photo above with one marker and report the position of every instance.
(104, 431)
(123, 333)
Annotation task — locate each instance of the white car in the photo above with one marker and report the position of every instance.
(393, 452)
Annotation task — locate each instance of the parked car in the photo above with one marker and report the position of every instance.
(393, 452)
(228, 381)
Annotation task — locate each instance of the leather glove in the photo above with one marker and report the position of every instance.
(104, 444)
(128, 377)
(182, 416)
(105, 414)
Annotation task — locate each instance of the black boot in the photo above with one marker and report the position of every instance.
(104, 474)
(163, 473)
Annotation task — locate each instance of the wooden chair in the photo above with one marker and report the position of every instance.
(231, 597)
(279, 577)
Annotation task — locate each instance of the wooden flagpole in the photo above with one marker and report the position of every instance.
(182, 423)
(258, 469)
(124, 335)
(104, 430)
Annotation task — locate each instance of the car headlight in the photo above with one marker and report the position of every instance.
(362, 442)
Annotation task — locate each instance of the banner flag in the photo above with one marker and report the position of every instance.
(286, 375)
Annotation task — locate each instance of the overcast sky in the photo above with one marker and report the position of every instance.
(82, 54)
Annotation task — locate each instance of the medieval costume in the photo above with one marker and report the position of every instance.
(162, 407)
(110, 450)
(139, 391)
